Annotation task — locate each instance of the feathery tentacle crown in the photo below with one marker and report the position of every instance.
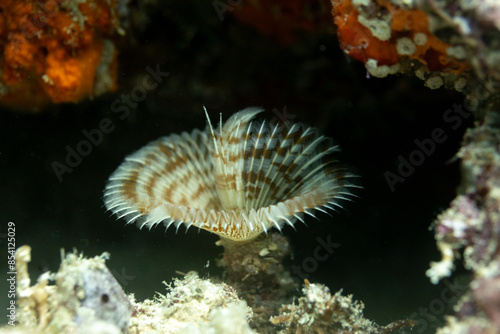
(237, 181)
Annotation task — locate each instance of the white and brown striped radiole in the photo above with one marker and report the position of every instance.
(237, 181)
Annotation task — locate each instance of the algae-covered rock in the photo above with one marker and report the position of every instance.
(85, 298)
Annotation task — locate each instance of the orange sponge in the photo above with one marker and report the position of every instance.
(388, 33)
(54, 51)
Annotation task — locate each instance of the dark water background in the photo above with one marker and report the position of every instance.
(385, 242)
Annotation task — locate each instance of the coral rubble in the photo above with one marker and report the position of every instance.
(472, 226)
(320, 312)
(193, 305)
(454, 45)
(57, 51)
(255, 269)
(85, 298)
